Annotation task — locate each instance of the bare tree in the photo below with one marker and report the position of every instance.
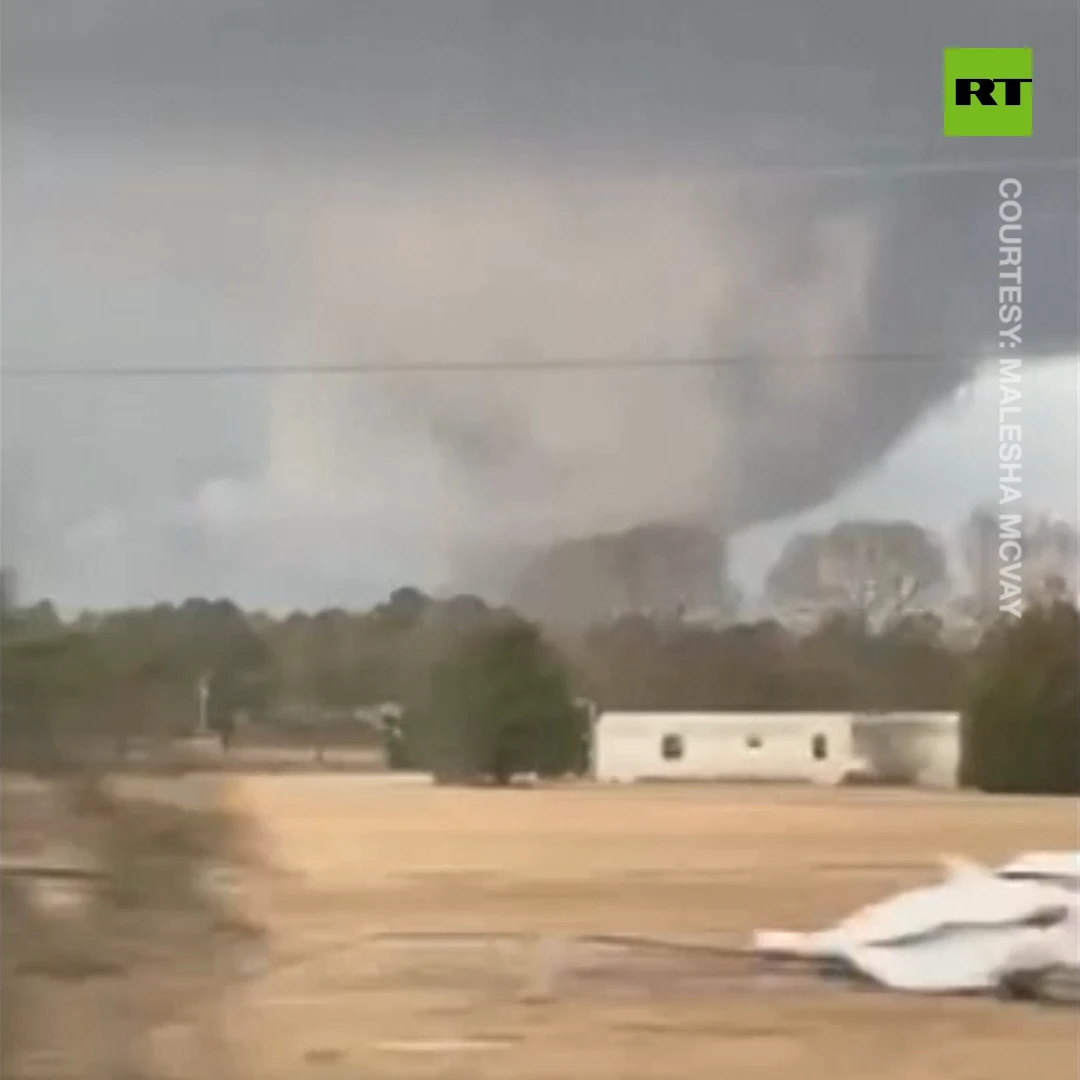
(878, 570)
(1049, 559)
(657, 568)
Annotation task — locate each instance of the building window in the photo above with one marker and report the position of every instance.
(819, 747)
(671, 747)
(753, 742)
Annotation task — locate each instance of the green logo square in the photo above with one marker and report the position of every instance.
(987, 92)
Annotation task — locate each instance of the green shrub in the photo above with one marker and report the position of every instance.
(1022, 723)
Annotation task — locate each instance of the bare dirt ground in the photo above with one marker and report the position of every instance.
(361, 858)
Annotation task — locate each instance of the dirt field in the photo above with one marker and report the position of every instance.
(364, 857)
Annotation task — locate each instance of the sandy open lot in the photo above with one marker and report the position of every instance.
(362, 857)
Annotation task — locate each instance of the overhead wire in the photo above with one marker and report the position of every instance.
(461, 367)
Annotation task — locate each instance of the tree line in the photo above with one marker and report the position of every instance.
(466, 689)
(485, 693)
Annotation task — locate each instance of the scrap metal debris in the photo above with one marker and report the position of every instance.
(980, 929)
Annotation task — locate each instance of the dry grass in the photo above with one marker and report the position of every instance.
(366, 856)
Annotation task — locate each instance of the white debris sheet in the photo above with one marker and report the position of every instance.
(979, 929)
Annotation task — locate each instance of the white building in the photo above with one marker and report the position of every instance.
(724, 746)
(822, 748)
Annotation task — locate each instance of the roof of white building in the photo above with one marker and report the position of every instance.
(715, 719)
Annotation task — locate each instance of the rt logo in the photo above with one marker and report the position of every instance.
(987, 92)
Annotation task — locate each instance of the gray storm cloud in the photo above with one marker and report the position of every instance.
(497, 184)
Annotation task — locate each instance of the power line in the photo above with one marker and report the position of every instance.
(462, 367)
(900, 168)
